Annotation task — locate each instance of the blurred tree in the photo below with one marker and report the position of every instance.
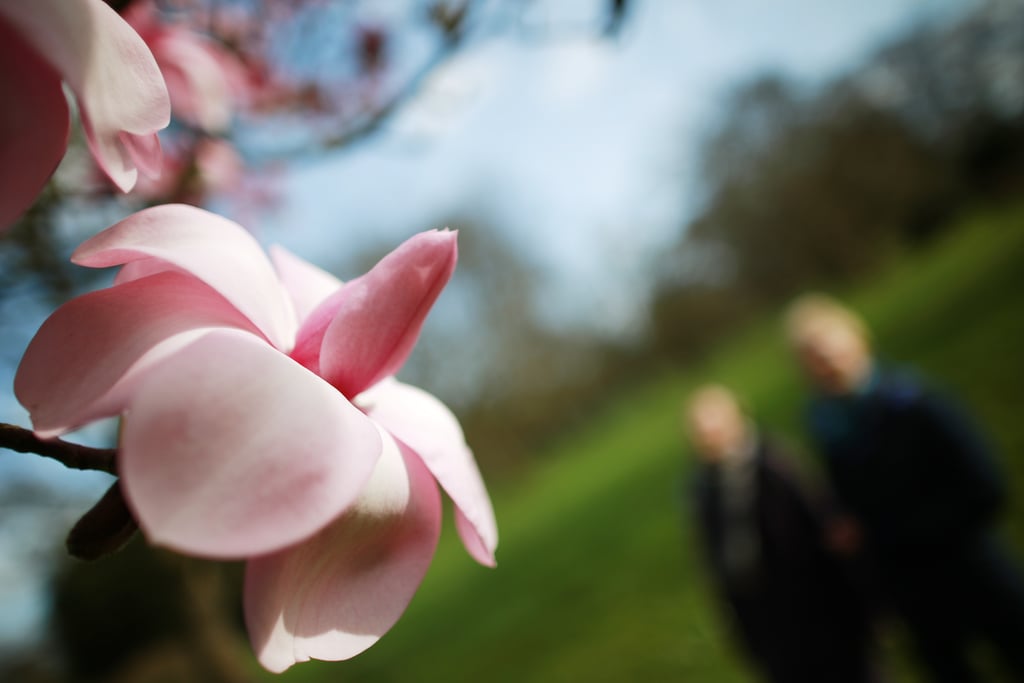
(805, 189)
(808, 192)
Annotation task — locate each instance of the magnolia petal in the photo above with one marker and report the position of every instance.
(114, 76)
(473, 541)
(230, 449)
(307, 285)
(310, 338)
(424, 424)
(136, 270)
(336, 594)
(116, 399)
(381, 313)
(87, 345)
(34, 124)
(219, 252)
(145, 152)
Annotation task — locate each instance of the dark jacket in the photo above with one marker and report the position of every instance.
(794, 609)
(909, 465)
(918, 477)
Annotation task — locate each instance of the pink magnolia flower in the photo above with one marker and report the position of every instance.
(261, 419)
(121, 95)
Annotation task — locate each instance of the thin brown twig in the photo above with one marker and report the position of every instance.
(71, 455)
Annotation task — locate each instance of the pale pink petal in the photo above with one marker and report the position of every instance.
(381, 313)
(473, 541)
(145, 152)
(217, 251)
(335, 595)
(425, 425)
(88, 344)
(136, 270)
(230, 449)
(307, 285)
(310, 338)
(119, 89)
(34, 124)
(115, 400)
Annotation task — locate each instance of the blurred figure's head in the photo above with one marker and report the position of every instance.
(831, 343)
(715, 423)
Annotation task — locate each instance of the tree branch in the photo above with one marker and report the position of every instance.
(70, 455)
(454, 28)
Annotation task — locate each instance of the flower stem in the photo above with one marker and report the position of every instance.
(69, 454)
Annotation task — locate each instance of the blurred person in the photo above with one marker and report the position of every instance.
(792, 606)
(922, 491)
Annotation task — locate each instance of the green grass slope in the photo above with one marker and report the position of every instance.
(598, 579)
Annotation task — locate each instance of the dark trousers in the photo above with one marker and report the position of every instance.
(950, 598)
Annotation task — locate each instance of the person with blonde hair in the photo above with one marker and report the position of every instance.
(792, 608)
(921, 488)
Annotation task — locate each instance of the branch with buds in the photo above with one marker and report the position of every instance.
(109, 524)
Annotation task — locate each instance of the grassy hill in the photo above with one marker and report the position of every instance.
(598, 579)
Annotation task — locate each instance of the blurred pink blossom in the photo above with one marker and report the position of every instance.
(206, 81)
(261, 419)
(195, 170)
(121, 95)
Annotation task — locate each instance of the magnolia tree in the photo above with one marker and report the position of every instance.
(232, 70)
(260, 416)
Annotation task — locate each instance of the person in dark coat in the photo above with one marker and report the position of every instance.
(922, 489)
(792, 607)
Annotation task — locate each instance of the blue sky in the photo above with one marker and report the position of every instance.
(580, 150)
